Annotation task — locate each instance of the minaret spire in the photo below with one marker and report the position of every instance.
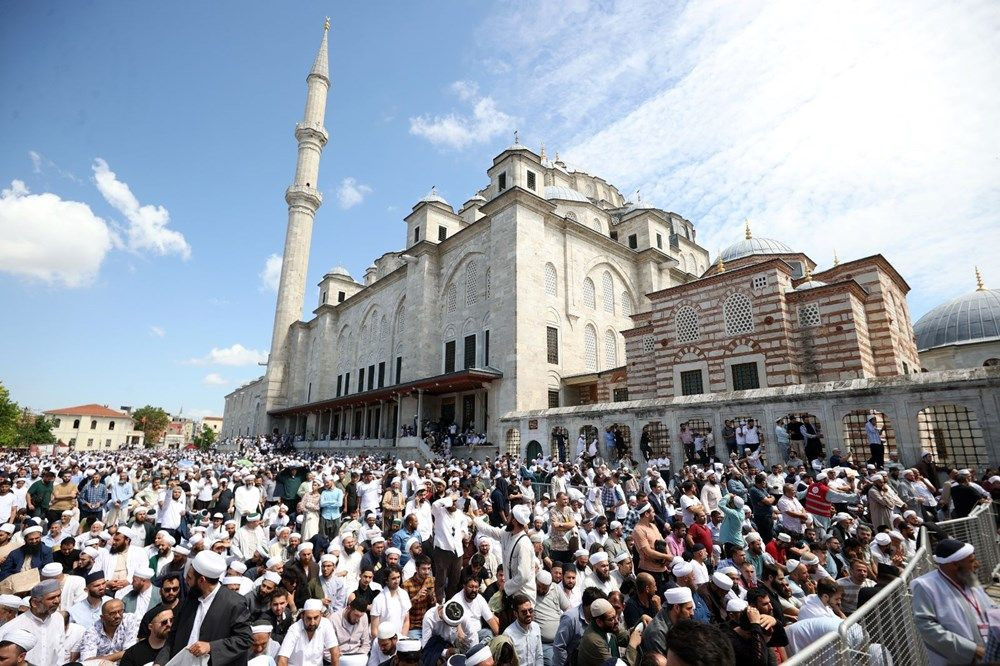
(979, 281)
(747, 228)
(304, 199)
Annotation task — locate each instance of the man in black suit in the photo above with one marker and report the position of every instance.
(213, 620)
(33, 549)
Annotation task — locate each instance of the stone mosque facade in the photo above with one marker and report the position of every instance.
(548, 304)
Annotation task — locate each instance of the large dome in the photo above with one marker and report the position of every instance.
(969, 318)
(564, 194)
(752, 246)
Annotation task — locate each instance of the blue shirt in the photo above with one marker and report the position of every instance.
(399, 540)
(330, 502)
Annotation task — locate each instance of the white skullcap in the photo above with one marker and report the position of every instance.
(393, 551)
(231, 580)
(784, 538)
(753, 537)
(328, 558)
(312, 605)
(537, 537)
(522, 514)
(809, 559)
(169, 540)
(386, 630)
(238, 567)
(8, 528)
(600, 607)
(51, 570)
(34, 529)
(90, 551)
(261, 629)
(272, 561)
(196, 539)
(144, 572)
(410, 542)
(729, 571)
(478, 654)
(614, 525)
(883, 539)
(303, 547)
(22, 638)
(598, 557)
(791, 565)
(722, 581)
(10, 601)
(544, 577)
(209, 564)
(678, 595)
(622, 556)
(582, 552)
(272, 576)
(681, 568)
(736, 605)
(181, 550)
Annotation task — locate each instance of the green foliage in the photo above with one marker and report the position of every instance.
(205, 438)
(10, 418)
(152, 421)
(35, 430)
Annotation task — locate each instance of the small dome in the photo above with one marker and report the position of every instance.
(810, 284)
(751, 246)
(564, 194)
(434, 197)
(340, 270)
(973, 317)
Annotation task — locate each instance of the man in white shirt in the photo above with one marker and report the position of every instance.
(525, 633)
(793, 514)
(309, 640)
(74, 588)
(43, 622)
(449, 530)
(600, 575)
(248, 498)
(421, 508)
(392, 604)
(369, 492)
(477, 610)
(250, 538)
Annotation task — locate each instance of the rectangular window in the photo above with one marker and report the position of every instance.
(340, 384)
(442, 233)
(553, 398)
(659, 242)
(449, 356)
(745, 376)
(552, 344)
(90, 442)
(633, 241)
(361, 380)
(371, 377)
(347, 383)
(906, 368)
(341, 296)
(468, 410)
(531, 180)
(620, 395)
(486, 348)
(469, 350)
(692, 382)
(381, 374)
(416, 234)
(614, 235)
(502, 182)
(324, 298)
(107, 443)
(399, 369)
(759, 282)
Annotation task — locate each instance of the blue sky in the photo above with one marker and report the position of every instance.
(147, 148)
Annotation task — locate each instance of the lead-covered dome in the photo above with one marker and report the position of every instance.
(339, 270)
(564, 194)
(973, 317)
(751, 246)
(434, 197)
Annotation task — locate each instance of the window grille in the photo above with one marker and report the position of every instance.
(513, 442)
(687, 325)
(658, 436)
(610, 350)
(571, 216)
(590, 347)
(760, 282)
(808, 315)
(620, 395)
(551, 284)
(449, 356)
(626, 304)
(553, 398)
(383, 329)
(472, 283)
(745, 376)
(738, 314)
(698, 425)
(692, 382)
(589, 294)
(469, 350)
(552, 344)
(608, 289)
(400, 321)
(489, 284)
(648, 344)
(856, 437)
(953, 436)
(452, 299)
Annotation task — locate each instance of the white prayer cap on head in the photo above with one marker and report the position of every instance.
(272, 562)
(10, 601)
(908, 513)
(883, 539)
(304, 546)
(722, 581)
(678, 595)
(582, 552)
(410, 542)
(614, 525)
(144, 572)
(537, 537)
(736, 605)
(476, 655)
(230, 522)
(393, 551)
(784, 538)
(261, 629)
(294, 535)
(544, 577)
(209, 564)
(8, 528)
(791, 565)
(181, 550)
(90, 551)
(378, 538)
(522, 514)
(169, 540)
(622, 556)
(51, 570)
(272, 576)
(196, 539)
(386, 630)
(598, 557)
(681, 568)
(312, 605)
(231, 580)
(34, 529)
(752, 537)
(22, 638)
(600, 607)
(328, 558)
(895, 534)
(238, 567)
(729, 571)
(809, 559)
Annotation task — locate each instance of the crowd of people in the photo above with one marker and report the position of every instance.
(271, 556)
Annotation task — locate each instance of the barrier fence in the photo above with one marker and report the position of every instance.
(883, 632)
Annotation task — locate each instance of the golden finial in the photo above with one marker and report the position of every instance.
(722, 266)
(326, 23)
(747, 227)
(979, 281)
(836, 259)
(809, 274)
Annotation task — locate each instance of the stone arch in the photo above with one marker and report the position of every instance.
(450, 276)
(613, 266)
(952, 435)
(533, 450)
(512, 442)
(551, 279)
(748, 345)
(610, 349)
(657, 436)
(449, 333)
(856, 437)
(560, 444)
(683, 262)
(470, 326)
(686, 354)
(626, 433)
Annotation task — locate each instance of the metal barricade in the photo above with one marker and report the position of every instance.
(978, 529)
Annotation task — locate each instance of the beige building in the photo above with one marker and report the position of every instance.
(963, 332)
(94, 427)
(213, 422)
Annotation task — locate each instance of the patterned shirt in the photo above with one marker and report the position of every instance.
(93, 494)
(96, 643)
(629, 523)
(419, 605)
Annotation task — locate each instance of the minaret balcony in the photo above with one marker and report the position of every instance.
(313, 131)
(302, 195)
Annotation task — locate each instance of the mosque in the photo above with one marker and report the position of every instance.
(548, 305)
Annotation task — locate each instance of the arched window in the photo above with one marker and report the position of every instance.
(93, 424)
(452, 299)
(111, 425)
(472, 283)
(687, 324)
(683, 263)
(571, 216)
(610, 350)
(383, 329)
(596, 224)
(991, 362)
(513, 442)
(608, 291)
(738, 314)
(589, 294)
(692, 263)
(626, 304)
(551, 280)
(400, 321)
(590, 347)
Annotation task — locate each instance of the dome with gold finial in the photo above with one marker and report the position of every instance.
(752, 245)
(809, 282)
(972, 317)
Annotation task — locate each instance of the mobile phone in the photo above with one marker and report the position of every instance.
(639, 627)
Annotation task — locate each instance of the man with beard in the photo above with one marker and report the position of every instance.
(334, 592)
(249, 538)
(518, 553)
(157, 632)
(10, 605)
(85, 562)
(278, 616)
(32, 555)
(569, 587)
(605, 639)
(403, 535)
(550, 604)
(140, 595)
(420, 588)
(120, 561)
(43, 622)
(108, 637)
(306, 573)
(67, 554)
(162, 554)
(600, 574)
(261, 643)
(247, 499)
(223, 499)
(87, 611)
(40, 494)
(142, 528)
(353, 636)
(260, 601)
(415, 549)
(74, 588)
(678, 606)
(309, 640)
(170, 598)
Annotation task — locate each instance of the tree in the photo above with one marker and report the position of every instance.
(35, 430)
(205, 438)
(152, 421)
(10, 417)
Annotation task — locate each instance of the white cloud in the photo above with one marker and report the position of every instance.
(36, 161)
(458, 131)
(214, 379)
(351, 193)
(270, 275)
(43, 237)
(235, 355)
(861, 127)
(147, 225)
(157, 331)
(40, 164)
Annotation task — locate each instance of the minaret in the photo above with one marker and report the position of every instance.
(303, 199)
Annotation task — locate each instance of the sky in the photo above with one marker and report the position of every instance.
(147, 147)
